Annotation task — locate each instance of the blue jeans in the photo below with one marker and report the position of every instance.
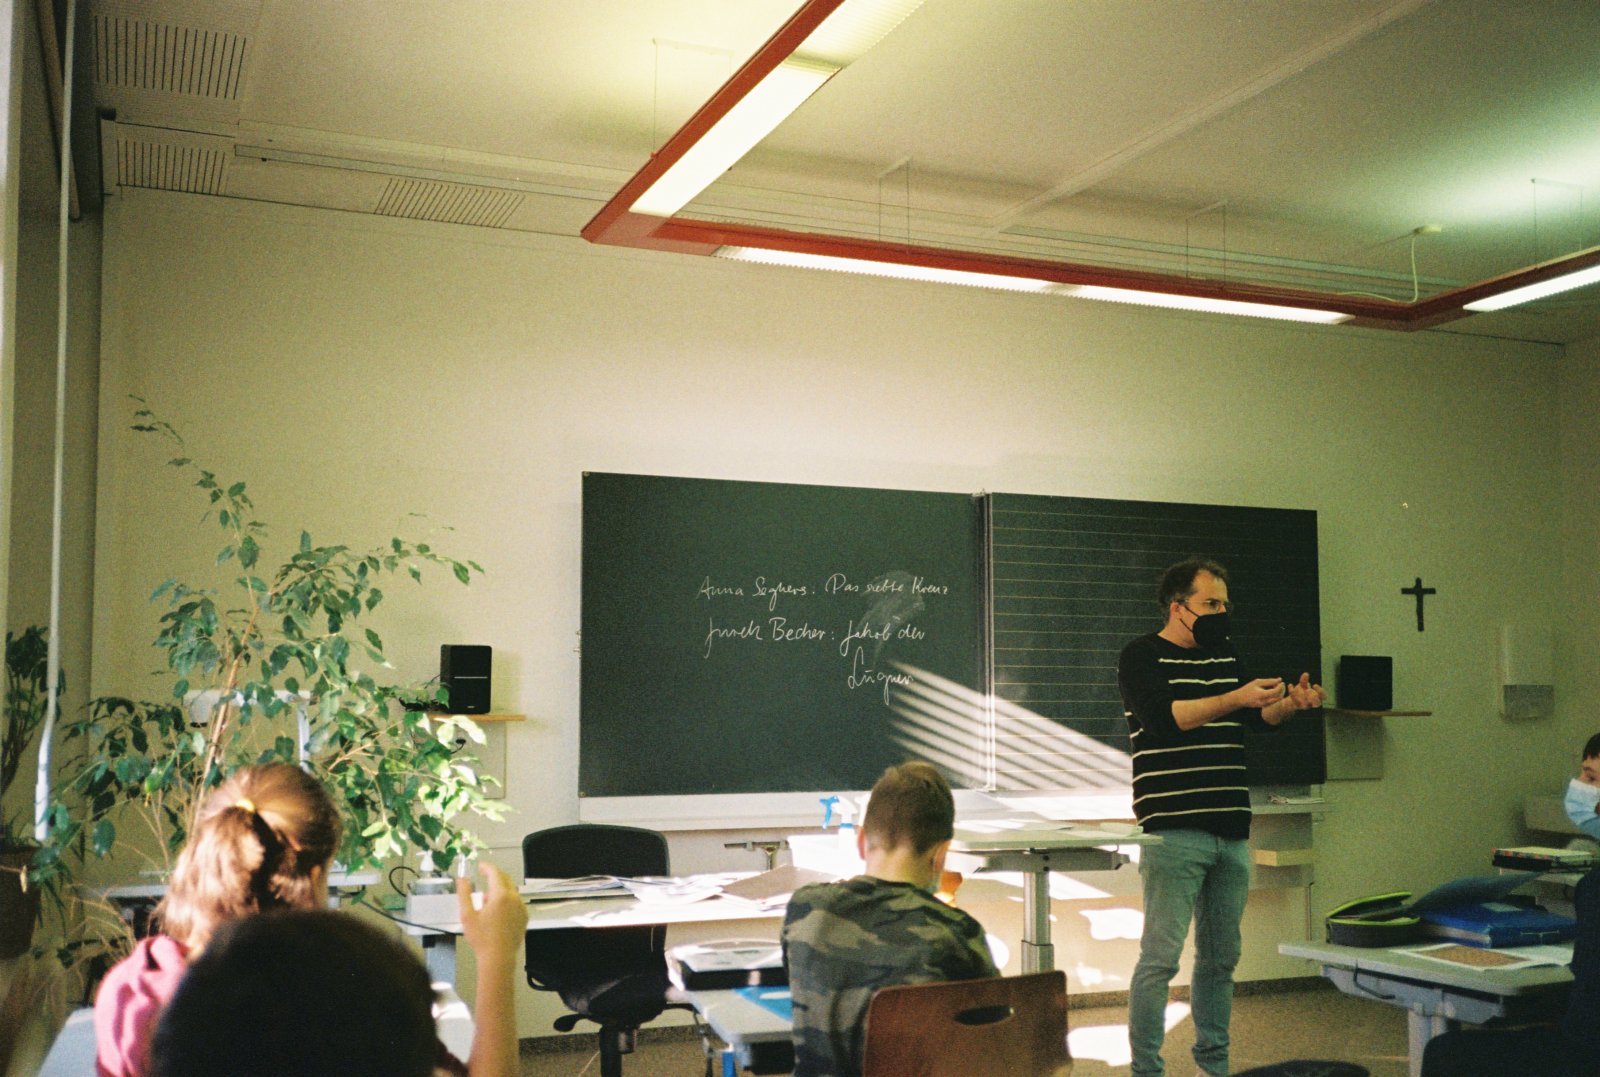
(1190, 875)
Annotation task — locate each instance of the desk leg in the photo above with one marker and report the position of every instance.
(1038, 955)
(439, 954)
(1420, 1028)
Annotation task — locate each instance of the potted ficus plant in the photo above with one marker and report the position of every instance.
(26, 701)
(277, 663)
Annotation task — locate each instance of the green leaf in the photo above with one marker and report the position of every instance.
(225, 555)
(248, 552)
(305, 542)
(236, 489)
(166, 585)
(461, 572)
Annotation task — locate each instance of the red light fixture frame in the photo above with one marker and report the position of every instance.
(617, 225)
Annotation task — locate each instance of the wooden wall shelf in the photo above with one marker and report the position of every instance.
(482, 717)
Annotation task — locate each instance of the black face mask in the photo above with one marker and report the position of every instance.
(1210, 630)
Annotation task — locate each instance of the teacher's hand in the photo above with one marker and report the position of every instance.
(1304, 695)
(1262, 692)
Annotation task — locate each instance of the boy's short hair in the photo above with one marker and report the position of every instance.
(911, 804)
(1591, 747)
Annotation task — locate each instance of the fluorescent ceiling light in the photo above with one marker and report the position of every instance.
(1529, 292)
(1200, 303)
(885, 269)
(730, 138)
(854, 29)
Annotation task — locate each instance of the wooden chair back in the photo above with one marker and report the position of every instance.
(1006, 1026)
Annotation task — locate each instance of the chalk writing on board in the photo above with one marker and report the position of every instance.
(858, 619)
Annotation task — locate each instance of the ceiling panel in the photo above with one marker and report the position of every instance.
(1296, 142)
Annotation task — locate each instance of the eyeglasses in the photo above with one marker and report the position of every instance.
(1211, 605)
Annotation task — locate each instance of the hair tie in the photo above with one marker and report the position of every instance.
(247, 804)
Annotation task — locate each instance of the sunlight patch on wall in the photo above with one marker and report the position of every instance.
(989, 743)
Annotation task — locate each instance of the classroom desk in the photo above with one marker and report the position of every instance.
(438, 935)
(1434, 993)
(1036, 848)
(1006, 839)
(758, 1038)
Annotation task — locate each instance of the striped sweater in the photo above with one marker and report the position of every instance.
(1185, 779)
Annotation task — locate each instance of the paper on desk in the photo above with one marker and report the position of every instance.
(1476, 957)
(543, 889)
(991, 827)
(1543, 955)
(672, 891)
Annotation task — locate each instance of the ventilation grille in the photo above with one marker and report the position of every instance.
(451, 203)
(164, 167)
(140, 55)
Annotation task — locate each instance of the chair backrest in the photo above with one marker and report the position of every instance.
(999, 1026)
(593, 849)
(586, 966)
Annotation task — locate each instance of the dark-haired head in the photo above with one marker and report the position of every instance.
(1177, 582)
(1591, 747)
(262, 842)
(308, 993)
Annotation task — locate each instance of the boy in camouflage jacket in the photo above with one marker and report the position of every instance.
(842, 941)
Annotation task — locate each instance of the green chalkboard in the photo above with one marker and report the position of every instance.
(1074, 579)
(752, 637)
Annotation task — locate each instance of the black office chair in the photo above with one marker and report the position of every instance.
(613, 976)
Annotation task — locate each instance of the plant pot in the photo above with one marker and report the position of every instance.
(19, 909)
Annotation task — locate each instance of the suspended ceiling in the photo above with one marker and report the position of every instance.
(1318, 146)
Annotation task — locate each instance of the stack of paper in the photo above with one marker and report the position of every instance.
(772, 889)
(582, 886)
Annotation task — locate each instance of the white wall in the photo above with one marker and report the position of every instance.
(353, 369)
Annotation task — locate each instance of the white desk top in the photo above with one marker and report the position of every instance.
(337, 880)
(1400, 962)
(614, 912)
(737, 1019)
(1009, 834)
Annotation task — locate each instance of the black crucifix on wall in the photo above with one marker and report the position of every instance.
(1421, 592)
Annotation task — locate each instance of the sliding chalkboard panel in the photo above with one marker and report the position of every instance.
(1074, 579)
(743, 637)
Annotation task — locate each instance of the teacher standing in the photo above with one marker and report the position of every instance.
(1187, 703)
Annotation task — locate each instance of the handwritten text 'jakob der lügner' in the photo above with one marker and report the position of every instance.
(779, 629)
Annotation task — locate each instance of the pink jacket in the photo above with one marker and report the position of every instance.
(129, 1004)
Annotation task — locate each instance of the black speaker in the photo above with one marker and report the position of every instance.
(464, 671)
(1366, 682)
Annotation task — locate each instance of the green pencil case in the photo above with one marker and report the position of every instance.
(1370, 922)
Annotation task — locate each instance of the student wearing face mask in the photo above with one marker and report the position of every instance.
(1583, 792)
(1187, 701)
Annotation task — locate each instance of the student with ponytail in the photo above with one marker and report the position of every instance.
(262, 843)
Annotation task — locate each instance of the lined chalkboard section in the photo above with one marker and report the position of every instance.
(743, 637)
(1074, 579)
